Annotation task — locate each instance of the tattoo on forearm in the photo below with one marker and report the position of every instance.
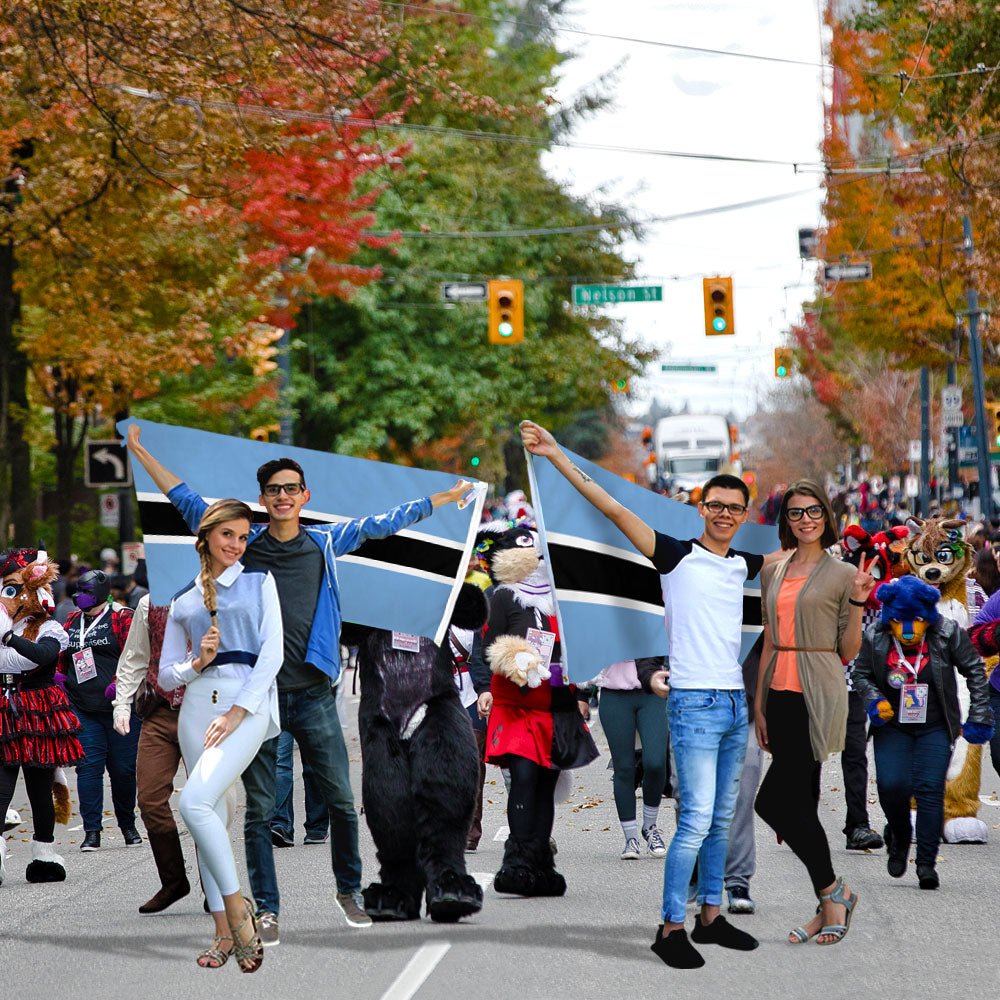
(583, 475)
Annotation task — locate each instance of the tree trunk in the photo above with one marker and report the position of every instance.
(67, 449)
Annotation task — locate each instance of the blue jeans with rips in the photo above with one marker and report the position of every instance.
(708, 734)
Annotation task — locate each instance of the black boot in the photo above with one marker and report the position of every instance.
(897, 852)
(452, 896)
(517, 875)
(169, 858)
(548, 882)
(388, 902)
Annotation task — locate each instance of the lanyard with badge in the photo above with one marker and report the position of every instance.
(912, 696)
(83, 660)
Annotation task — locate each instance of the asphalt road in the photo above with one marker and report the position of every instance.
(85, 937)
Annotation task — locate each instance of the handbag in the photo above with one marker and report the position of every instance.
(146, 699)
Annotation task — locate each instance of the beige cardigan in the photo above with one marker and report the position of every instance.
(821, 614)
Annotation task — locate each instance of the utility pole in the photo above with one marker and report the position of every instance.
(925, 440)
(978, 381)
(953, 482)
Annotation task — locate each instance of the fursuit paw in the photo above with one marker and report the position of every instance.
(977, 732)
(879, 711)
(515, 658)
(453, 896)
(386, 902)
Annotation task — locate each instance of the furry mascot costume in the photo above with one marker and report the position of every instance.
(937, 553)
(420, 771)
(37, 727)
(535, 727)
(906, 671)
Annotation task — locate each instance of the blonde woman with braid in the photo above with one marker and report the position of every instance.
(224, 642)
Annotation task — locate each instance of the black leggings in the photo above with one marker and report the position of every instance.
(38, 782)
(788, 800)
(531, 808)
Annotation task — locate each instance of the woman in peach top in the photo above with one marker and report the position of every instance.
(812, 605)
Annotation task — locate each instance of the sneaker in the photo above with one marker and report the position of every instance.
(131, 837)
(279, 839)
(316, 838)
(632, 850)
(654, 841)
(91, 841)
(352, 906)
(267, 928)
(11, 820)
(864, 838)
(740, 901)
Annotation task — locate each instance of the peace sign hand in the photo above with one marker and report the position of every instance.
(864, 582)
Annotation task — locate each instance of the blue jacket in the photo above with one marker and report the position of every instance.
(334, 540)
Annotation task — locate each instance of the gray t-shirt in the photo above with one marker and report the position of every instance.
(297, 568)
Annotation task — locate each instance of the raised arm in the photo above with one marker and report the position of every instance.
(540, 442)
(160, 474)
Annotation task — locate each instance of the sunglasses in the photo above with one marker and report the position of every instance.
(717, 507)
(814, 512)
(292, 489)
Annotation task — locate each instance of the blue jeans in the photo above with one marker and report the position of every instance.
(708, 734)
(311, 718)
(106, 749)
(911, 764)
(317, 815)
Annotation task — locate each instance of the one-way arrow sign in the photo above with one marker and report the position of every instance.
(464, 291)
(107, 464)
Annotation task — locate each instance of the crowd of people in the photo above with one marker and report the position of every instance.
(247, 660)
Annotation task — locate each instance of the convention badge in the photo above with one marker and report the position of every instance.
(176, 697)
(913, 702)
(544, 642)
(84, 665)
(405, 642)
(897, 678)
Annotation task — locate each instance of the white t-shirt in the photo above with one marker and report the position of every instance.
(703, 599)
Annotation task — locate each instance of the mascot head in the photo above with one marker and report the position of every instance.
(26, 593)
(909, 608)
(937, 552)
(92, 590)
(508, 552)
(881, 553)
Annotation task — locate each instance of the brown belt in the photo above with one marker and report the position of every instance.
(802, 649)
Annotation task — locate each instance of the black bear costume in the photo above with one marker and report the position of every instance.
(420, 771)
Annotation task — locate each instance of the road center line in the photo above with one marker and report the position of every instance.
(502, 834)
(416, 971)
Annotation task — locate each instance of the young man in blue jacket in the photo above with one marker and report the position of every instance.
(302, 559)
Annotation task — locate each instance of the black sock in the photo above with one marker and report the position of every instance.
(723, 933)
(676, 950)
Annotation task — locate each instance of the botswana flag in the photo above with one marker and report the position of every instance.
(407, 582)
(608, 596)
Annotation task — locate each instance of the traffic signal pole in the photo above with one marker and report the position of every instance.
(925, 441)
(978, 382)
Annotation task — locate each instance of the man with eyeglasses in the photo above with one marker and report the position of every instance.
(302, 559)
(702, 580)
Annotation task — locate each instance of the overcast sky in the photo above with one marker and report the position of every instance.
(667, 99)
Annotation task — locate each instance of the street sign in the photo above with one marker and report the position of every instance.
(599, 295)
(912, 487)
(688, 368)
(867, 453)
(952, 418)
(848, 272)
(110, 510)
(914, 453)
(951, 397)
(106, 464)
(132, 552)
(463, 291)
(968, 451)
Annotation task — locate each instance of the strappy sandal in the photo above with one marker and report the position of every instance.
(801, 935)
(838, 931)
(252, 951)
(214, 957)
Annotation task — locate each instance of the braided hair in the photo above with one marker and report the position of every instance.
(218, 513)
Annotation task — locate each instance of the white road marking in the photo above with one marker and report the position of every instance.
(484, 879)
(73, 829)
(502, 834)
(989, 800)
(416, 971)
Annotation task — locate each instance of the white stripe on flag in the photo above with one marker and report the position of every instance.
(606, 600)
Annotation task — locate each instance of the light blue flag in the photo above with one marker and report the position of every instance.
(608, 596)
(407, 582)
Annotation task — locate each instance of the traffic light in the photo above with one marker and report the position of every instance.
(506, 309)
(992, 424)
(718, 293)
(782, 362)
(264, 433)
(620, 385)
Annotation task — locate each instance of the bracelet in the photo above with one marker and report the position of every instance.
(857, 604)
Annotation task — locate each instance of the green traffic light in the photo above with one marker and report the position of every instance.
(781, 371)
(505, 329)
(474, 461)
(719, 324)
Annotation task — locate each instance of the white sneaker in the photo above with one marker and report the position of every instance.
(632, 850)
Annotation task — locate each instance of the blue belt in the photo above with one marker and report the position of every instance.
(235, 656)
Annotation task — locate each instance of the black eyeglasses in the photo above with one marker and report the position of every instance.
(814, 512)
(717, 507)
(292, 489)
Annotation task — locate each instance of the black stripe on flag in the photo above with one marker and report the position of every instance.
(611, 576)
(162, 518)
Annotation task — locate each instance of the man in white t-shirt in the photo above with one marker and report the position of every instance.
(702, 582)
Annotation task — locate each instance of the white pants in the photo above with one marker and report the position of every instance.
(203, 801)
